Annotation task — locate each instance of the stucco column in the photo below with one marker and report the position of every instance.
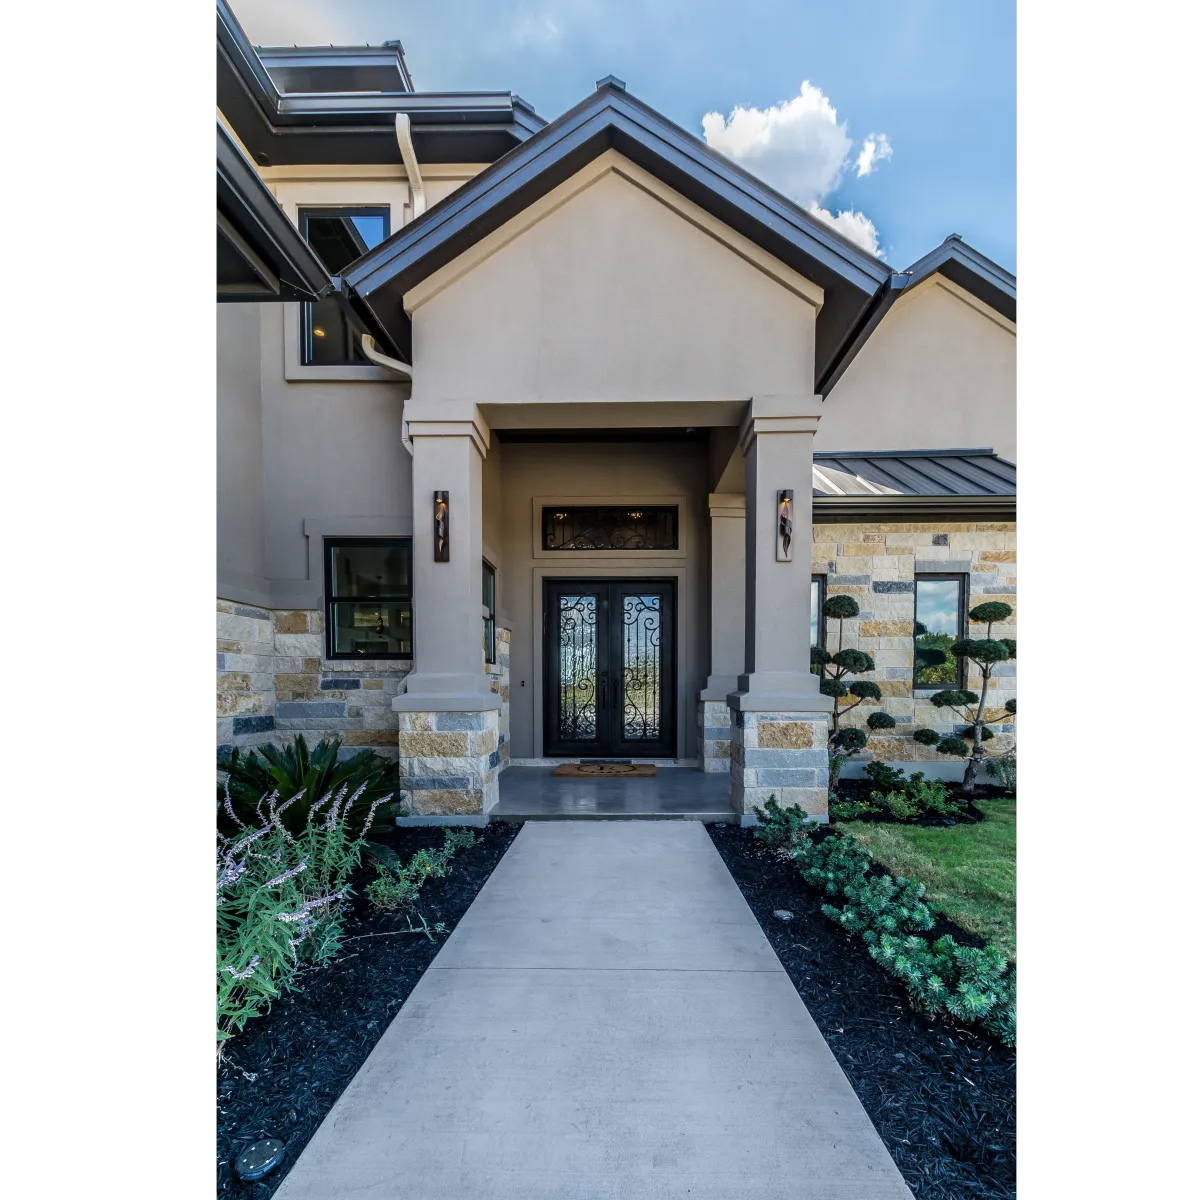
(727, 627)
(449, 713)
(780, 718)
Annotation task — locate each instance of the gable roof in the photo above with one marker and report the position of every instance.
(958, 262)
(610, 118)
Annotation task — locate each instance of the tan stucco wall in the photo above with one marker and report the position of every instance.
(595, 473)
(612, 288)
(940, 371)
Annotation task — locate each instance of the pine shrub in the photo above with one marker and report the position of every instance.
(781, 826)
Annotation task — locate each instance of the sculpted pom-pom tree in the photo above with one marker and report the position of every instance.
(844, 742)
(985, 653)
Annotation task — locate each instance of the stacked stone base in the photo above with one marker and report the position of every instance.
(450, 761)
(780, 754)
(712, 736)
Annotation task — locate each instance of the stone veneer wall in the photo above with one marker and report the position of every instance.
(713, 736)
(274, 681)
(784, 755)
(876, 564)
(499, 672)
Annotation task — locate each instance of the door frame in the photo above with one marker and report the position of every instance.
(607, 572)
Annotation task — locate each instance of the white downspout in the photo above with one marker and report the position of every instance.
(399, 368)
(409, 155)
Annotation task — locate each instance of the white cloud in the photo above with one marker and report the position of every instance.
(875, 149)
(856, 226)
(800, 148)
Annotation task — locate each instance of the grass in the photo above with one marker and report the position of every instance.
(969, 871)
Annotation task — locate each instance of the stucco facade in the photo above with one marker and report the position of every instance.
(615, 337)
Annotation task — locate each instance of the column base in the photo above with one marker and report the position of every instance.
(779, 753)
(449, 758)
(713, 735)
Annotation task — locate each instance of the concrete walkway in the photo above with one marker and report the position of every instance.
(607, 1022)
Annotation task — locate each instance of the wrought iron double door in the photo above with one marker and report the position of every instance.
(610, 667)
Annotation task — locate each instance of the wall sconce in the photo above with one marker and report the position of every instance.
(783, 531)
(441, 526)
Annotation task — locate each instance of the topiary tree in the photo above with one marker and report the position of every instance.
(985, 653)
(833, 669)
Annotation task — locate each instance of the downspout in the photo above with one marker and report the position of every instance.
(398, 368)
(409, 155)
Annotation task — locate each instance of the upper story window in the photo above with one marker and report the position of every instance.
(941, 621)
(489, 612)
(368, 597)
(338, 236)
(605, 527)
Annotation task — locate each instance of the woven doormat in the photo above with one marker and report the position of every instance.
(588, 769)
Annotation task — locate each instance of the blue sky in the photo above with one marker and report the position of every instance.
(897, 121)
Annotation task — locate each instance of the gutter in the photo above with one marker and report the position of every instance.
(887, 295)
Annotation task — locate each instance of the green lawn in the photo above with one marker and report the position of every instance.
(969, 871)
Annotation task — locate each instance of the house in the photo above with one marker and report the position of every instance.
(511, 415)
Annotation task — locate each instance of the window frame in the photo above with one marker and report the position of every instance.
(822, 582)
(489, 621)
(303, 212)
(546, 517)
(963, 594)
(333, 542)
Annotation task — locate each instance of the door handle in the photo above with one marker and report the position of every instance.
(603, 691)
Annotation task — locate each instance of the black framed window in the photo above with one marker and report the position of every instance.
(489, 620)
(338, 236)
(816, 619)
(941, 619)
(607, 527)
(368, 597)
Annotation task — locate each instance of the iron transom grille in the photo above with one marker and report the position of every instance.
(608, 527)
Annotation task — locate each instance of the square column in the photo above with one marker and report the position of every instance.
(727, 628)
(780, 728)
(449, 714)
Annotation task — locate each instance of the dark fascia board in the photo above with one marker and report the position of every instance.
(356, 127)
(259, 232)
(382, 59)
(939, 452)
(610, 118)
(833, 510)
(858, 334)
(972, 271)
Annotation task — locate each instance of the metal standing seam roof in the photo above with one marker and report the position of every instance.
(966, 472)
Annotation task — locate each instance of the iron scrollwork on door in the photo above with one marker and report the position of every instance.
(641, 714)
(577, 668)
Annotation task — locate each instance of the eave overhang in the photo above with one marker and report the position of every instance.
(357, 127)
(260, 253)
(836, 510)
(611, 119)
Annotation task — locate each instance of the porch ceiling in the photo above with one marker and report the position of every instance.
(611, 119)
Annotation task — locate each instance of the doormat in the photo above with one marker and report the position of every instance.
(589, 769)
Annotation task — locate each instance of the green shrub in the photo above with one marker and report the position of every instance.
(396, 887)
(927, 737)
(885, 778)
(1005, 770)
(900, 806)
(889, 914)
(280, 898)
(781, 826)
(305, 780)
(851, 810)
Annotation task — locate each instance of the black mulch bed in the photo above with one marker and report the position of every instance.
(942, 1096)
(861, 789)
(282, 1074)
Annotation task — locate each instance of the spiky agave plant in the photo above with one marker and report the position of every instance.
(294, 773)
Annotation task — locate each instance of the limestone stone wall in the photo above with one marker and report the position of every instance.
(876, 564)
(450, 761)
(779, 754)
(713, 736)
(499, 673)
(273, 681)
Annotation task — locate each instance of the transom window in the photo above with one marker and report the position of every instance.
(941, 621)
(368, 597)
(606, 527)
(338, 236)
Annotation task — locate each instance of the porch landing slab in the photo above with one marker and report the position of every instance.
(607, 1021)
(535, 793)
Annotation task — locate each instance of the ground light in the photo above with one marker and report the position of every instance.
(259, 1159)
